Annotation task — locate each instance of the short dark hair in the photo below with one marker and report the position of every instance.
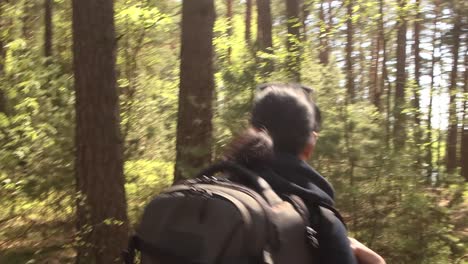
(288, 114)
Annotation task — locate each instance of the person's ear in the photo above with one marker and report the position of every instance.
(309, 147)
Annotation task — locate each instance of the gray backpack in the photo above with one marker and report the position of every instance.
(212, 220)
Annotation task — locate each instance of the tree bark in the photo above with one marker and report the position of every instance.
(101, 204)
(324, 30)
(451, 155)
(248, 22)
(3, 98)
(431, 92)
(399, 131)
(194, 127)
(350, 85)
(48, 28)
(464, 146)
(293, 41)
(229, 29)
(264, 34)
(417, 75)
(417, 67)
(374, 83)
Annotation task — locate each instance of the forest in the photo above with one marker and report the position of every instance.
(104, 103)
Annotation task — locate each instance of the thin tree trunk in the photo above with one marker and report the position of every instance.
(194, 123)
(323, 36)
(305, 16)
(264, 37)
(431, 92)
(464, 146)
(293, 41)
(374, 84)
(229, 27)
(48, 28)
(3, 98)
(417, 68)
(248, 22)
(451, 156)
(101, 204)
(351, 93)
(418, 133)
(399, 131)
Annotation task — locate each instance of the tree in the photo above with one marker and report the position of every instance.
(431, 93)
(3, 100)
(399, 131)
(324, 30)
(451, 155)
(417, 73)
(48, 28)
(293, 40)
(194, 124)
(248, 22)
(350, 85)
(229, 25)
(264, 37)
(464, 146)
(101, 205)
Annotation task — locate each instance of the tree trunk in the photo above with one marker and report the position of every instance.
(374, 83)
(383, 78)
(417, 68)
(264, 37)
(229, 27)
(48, 28)
(194, 128)
(3, 99)
(451, 156)
(464, 146)
(101, 205)
(417, 76)
(399, 132)
(248, 22)
(293, 41)
(349, 51)
(431, 92)
(305, 15)
(324, 29)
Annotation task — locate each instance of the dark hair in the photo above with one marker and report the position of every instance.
(283, 118)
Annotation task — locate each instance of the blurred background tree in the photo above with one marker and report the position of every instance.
(390, 77)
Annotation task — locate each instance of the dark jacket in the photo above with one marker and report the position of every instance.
(288, 174)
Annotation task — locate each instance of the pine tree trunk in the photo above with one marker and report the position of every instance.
(229, 29)
(324, 48)
(248, 22)
(464, 146)
(305, 15)
(48, 28)
(264, 31)
(431, 92)
(374, 83)
(293, 41)
(417, 67)
(399, 132)
(3, 99)
(451, 156)
(101, 204)
(349, 52)
(194, 127)
(417, 76)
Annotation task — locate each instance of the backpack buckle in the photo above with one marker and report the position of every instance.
(311, 237)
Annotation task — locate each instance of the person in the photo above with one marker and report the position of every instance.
(284, 128)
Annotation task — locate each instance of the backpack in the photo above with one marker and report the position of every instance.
(212, 220)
